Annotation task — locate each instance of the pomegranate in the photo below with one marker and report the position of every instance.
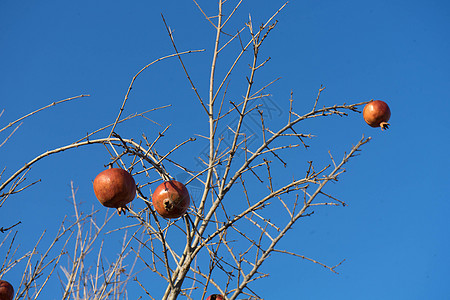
(376, 114)
(215, 297)
(115, 187)
(171, 199)
(6, 290)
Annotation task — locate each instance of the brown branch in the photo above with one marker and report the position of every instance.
(3, 230)
(136, 76)
(42, 108)
(184, 67)
(332, 269)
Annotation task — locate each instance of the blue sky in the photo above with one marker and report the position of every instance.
(395, 232)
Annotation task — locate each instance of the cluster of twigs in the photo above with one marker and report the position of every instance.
(228, 233)
(82, 278)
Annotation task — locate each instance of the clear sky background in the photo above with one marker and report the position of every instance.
(395, 232)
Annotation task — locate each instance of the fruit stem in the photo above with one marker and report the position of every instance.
(122, 209)
(384, 125)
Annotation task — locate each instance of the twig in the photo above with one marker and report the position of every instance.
(42, 108)
(3, 230)
(137, 74)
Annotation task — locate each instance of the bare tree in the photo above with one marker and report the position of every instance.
(230, 231)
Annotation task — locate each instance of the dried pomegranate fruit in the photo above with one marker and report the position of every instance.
(115, 188)
(376, 114)
(171, 199)
(6, 290)
(215, 297)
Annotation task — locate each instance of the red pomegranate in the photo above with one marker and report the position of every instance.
(115, 187)
(376, 114)
(215, 297)
(171, 199)
(6, 290)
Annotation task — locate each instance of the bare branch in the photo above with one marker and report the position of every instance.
(136, 76)
(182, 64)
(42, 108)
(3, 230)
(332, 269)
